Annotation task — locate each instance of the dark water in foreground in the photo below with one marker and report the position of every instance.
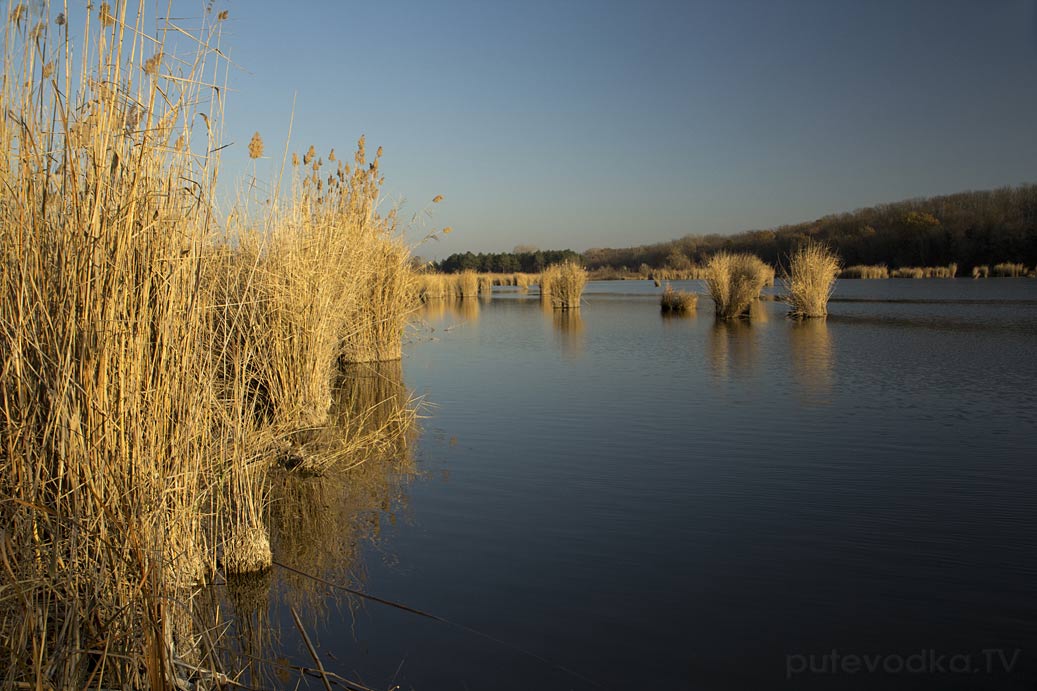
(660, 503)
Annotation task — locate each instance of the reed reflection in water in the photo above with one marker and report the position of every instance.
(568, 328)
(320, 522)
(466, 309)
(733, 347)
(810, 343)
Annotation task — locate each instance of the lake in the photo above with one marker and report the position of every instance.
(613, 499)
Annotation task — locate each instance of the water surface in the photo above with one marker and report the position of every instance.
(629, 501)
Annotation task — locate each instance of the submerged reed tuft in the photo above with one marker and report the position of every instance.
(809, 280)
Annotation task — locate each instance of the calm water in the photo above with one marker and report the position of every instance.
(656, 503)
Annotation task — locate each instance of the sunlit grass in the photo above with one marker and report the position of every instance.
(562, 285)
(734, 281)
(677, 301)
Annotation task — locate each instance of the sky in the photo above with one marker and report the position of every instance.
(579, 124)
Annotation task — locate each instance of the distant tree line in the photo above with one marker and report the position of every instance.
(970, 228)
(507, 262)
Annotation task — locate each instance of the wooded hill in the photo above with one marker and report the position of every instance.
(969, 228)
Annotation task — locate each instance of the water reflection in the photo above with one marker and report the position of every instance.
(811, 350)
(319, 523)
(732, 347)
(432, 310)
(758, 312)
(568, 330)
(466, 309)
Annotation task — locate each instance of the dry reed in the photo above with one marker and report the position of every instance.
(865, 271)
(466, 284)
(562, 285)
(949, 271)
(147, 373)
(106, 384)
(1009, 270)
(677, 301)
(734, 281)
(810, 279)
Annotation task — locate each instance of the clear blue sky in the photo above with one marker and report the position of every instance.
(600, 123)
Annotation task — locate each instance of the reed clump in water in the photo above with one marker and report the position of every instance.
(810, 279)
(432, 286)
(734, 281)
(677, 301)
(1009, 270)
(466, 284)
(865, 271)
(562, 285)
(949, 271)
(486, 283)
(982, 271)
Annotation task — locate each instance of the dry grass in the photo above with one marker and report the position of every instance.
(695, 273)
(387, 299)
(677, 301)
(432, 286)
(466, 284)
(106, 384)
(486, 283)
(865, 271)
(734, 281)
(949, 271)
(810, 280)
(562, 285)
(147, 372)
(982, 271)
(1009, 270)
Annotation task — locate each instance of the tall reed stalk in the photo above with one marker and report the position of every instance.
(150, 366)
(107, 401)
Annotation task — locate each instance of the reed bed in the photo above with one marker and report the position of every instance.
(561, 285)
(486, 283)
(734, 281)
(466, 284)
(151, 364)
(864, 271)
(677, 301)
(695, 273)
(106, 382)
(432, 286)
(810, 279)
(982, 271)
(949, 271)
(1009, 270)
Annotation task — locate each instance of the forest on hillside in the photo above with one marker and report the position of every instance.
(967, 228)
